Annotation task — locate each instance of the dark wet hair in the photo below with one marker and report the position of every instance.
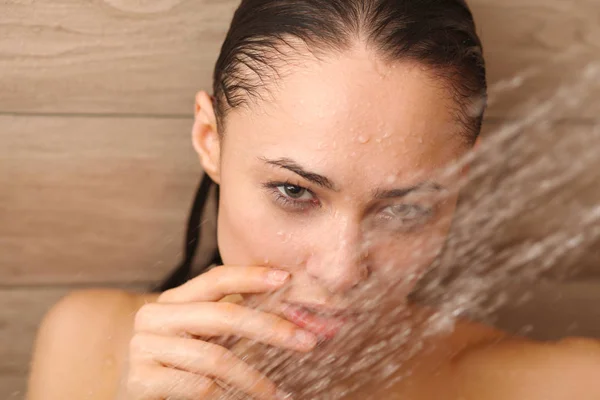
(265, 36)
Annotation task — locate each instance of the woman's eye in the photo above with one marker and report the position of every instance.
(292, 197)
(407, 213)
(295, 192)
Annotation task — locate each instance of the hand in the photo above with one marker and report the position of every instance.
(168, 360)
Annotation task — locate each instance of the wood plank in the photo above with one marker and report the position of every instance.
(109, 56)
(94, 199)
(554, 312)
(114, 56)
(540, 51)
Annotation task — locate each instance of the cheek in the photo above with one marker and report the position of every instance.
(402, 255)
(251, 231)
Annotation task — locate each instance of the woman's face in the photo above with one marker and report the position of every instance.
(337, 179)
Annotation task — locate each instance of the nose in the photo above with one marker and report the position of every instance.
(341, 261)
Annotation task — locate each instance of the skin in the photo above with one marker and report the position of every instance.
(370, 128)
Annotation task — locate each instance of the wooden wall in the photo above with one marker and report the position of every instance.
(96, 169)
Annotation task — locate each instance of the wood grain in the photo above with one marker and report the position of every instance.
(142, 57)
(107, 56)
(94, 199)
(539, 51)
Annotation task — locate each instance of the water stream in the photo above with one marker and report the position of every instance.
(529, 211)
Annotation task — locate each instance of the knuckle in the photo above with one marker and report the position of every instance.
(216, 276)
(218, 356)
(137, 379)
(278, 330)
(285, 327)
(204, 387)
(138, 344)
(286, 330)
(145, 316)
(212, 356)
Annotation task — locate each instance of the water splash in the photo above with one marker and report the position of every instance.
(530, 209)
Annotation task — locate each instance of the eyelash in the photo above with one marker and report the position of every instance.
(288, 202)
(421, 212)
(303, 205)
(410, 224)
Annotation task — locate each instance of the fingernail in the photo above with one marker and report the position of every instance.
(281, 395)
(277, 277)
(304, 338)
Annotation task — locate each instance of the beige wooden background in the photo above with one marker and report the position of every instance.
(96, 169)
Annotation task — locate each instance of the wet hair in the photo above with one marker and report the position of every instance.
(266, 36)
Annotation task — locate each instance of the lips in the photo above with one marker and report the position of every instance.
(324, 323)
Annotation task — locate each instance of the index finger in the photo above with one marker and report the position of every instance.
(226, 280)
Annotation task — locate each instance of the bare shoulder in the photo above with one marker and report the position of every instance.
(515, 368)
(486, 363)
(82, 343)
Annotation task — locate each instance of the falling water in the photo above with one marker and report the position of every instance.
(529, 210)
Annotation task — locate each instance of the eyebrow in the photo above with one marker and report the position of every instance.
(291, 165)
(402, 192)
(323, 181)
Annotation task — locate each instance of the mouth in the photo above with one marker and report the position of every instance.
(325, 323)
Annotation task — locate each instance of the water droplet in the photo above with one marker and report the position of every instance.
(363, 139)
(285, 236)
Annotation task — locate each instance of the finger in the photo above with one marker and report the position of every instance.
(225, 280)
(222, 319)
(154, 382)
(205, 359)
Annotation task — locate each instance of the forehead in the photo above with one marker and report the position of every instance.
(352, 112)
